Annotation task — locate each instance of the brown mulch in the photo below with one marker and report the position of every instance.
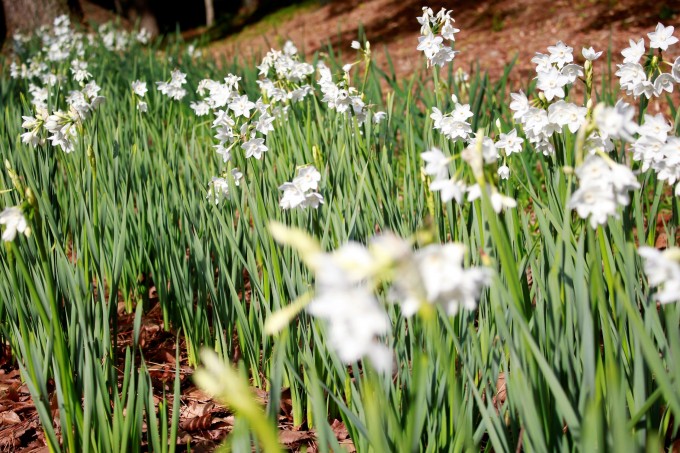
(203, 423)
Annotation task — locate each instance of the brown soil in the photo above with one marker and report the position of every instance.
(492, 32)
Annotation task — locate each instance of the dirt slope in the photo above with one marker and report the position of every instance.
(492, 31)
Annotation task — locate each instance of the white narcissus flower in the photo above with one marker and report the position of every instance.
(445, 280)
(241, 106)
(15, 222)
(504, 172)
(347, 279)
(572, 72)
(560, 54)
(520, 105)
(655, 126)
(567, 114)
(218, 188)
(437, 163)
(498, 200)
(449, 189)
(510, 142)
(429, 45)
(590, 54)
(603, 187)
(356, 45)
(301, 192)
(432, 44)
(292, 196)
(596, 201)
(289, 48)
(663, 272)
(663, 82)
(552, 83)
(201, 108)
(254, 148)
(676, 70)
(173, 88)
(633, 53)
(378, 117)
(307, 178)
(617, 121)
(662, 37)
(139, 88)
(264, 124)
(79, 70)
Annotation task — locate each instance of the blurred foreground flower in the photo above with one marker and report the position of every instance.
(232, 389)
(347, 280)
(15, 222)
(663, 272)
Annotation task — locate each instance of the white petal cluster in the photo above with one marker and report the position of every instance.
(302, 191)
(218, 187)
(556, 70)
(238, 120)
(638, 81)
(663, 272)
(590, 54)
(498, 200)
(340, 96)
(453, 125)
(347, 278)
(654, 132)
(139, 89)
(616, 122)
(285, 65)
(285, 77)
(539, 124)
(174, 87)
(63, 127)
(437, 166)
(603, 187)
(434, 29)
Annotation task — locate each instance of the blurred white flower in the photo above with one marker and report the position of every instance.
(617, 121)
(603, 187)
(201, 108)
(139, 88)
(445, 280)
(503, 172)
(437, 163)
(663, 272)
(173, 88)
(449, 189)
(590, 54)
(15, 222)
(498, 200)
(218, 187)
